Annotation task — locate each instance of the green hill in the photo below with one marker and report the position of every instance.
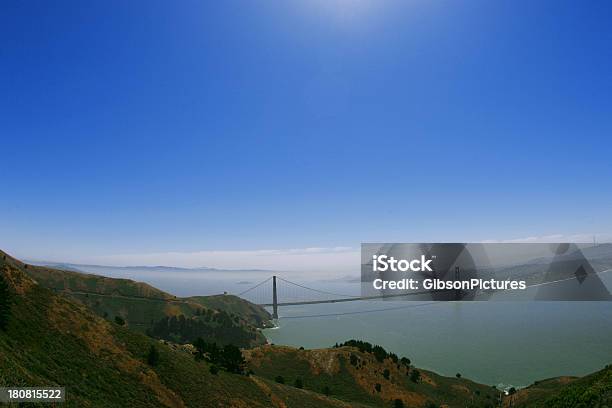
(359, 376)
(594, 390)
(52, 340)
(222, 318)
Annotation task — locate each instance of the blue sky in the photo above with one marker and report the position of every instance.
(155, 127)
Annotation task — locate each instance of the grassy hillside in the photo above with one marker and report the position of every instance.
(356, 376)
(52, 340)
(251, 313)
(223, 318)
(594, 390)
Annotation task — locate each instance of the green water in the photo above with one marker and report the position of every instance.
(500, 343)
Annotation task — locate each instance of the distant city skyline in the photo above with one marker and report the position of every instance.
(205, 134)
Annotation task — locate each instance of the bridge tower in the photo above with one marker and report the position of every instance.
(274, 299)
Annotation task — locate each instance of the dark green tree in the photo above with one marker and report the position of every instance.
(458, 375)
(415, 376)
(398, 403)
(119, 320)
(208, 351)
(326, 391)
(379, 353)
(386, 373)
(5, 303)
(200, 346)
(232, 359)
(298, 383)
(213, 369)
(279, 379)
(153, 356)
(378, 387)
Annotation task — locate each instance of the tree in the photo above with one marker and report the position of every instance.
(405, 361)
(512, 391)
(298, 383)
(378, 387)
(213, 369)
(415, 376)
(200, 346)
(354, 359)
(398, 403)
(119, 320)
(458, 375)
(232, 359)
(279, 379)
(5, 303)
(379, 353)
(386, 373)
(153, 356)
(326, 391)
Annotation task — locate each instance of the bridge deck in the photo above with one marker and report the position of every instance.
(312, 302)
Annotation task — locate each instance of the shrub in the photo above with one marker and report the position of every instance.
(415, 376)
(298, 383)
(229, 357)
(232, 359)
(377, 387)
(379, 353)
(398, 403)
(119, 320)
(279, 379)
(386, 373)
(213, 369)
(153, 356)
(5, 303)
(458, 375)
(327, 391)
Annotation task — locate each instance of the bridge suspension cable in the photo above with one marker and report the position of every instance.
(362, 311)
(255, 287)
(317, 290)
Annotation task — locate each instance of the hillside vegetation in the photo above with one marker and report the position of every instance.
(353, 375)
(224, 318)
(53, 339)
(594, 390)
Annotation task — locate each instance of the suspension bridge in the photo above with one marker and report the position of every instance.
(283, 292)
